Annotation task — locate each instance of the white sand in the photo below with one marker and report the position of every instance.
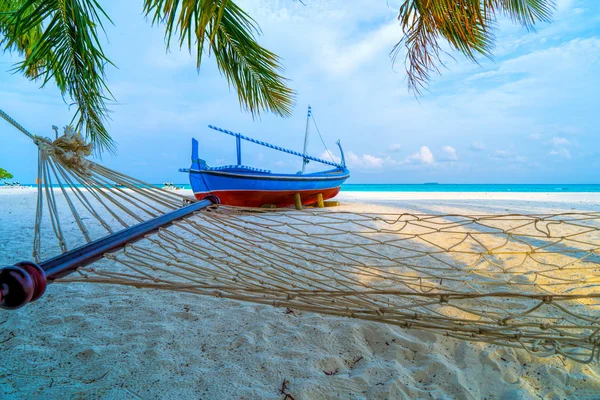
(99, 341)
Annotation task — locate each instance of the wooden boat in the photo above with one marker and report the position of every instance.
(241, 185)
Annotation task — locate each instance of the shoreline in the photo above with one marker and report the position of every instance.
(451, 195)
(499, 201)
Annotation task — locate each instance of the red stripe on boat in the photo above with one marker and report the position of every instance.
(257, 198)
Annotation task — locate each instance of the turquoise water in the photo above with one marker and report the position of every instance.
(471, 187)
(445, 187)
(360, 187)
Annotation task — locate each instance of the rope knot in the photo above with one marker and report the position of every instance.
(70, 149)
(547, 299)
(518, 335)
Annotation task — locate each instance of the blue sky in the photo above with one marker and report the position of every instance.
(529, 116)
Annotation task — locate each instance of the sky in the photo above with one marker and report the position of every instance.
(529, 115)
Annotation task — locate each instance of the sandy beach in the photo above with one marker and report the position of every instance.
(108, 342)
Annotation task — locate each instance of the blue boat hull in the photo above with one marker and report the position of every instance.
(243, 186)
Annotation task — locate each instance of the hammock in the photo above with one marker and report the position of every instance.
(522, 281)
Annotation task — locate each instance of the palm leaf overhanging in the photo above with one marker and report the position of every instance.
(467, 25)
(21, 43)
(228, 31)
(59, 41)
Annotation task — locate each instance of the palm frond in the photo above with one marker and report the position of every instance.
(60, 42)
(467, 25)
(21, 44)
(229, 32)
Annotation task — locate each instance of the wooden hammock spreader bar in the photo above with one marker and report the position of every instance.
(26, 281)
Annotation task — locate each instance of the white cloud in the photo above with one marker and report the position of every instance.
(563, 6)
(347, 58)
(477, 146)
(450, 153)
(424, 156)
(359, 161)
(394, 148)
(330, 156)
(501, 155)
(521, 159)
(365, 161)
(559, 142)
(535, 136)
(508, 157)
(562, 59)
(560, 152)
(559, 148)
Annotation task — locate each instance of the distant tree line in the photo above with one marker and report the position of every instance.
(4, 174)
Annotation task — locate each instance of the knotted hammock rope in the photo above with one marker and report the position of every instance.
(514, 280)
(524, 281)
(86, 186)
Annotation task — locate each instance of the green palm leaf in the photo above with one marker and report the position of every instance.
(225, 29)
(465, 24)
(62, 45)
(23, 43)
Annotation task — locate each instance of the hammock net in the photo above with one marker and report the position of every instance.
(524, 281)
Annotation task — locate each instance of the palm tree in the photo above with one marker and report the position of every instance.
(58, 42)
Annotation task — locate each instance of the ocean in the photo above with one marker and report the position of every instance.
(455, 187)
(451, 187)
(479, 187)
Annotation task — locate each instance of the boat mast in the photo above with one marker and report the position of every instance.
(304, 159)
